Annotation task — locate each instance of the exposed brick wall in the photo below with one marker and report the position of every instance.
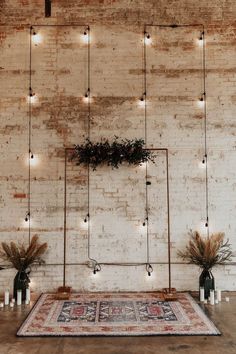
(174, 120)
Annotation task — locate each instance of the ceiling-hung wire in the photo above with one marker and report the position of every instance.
(30, 155)
(149, 268)
(205, 128)
(97, 267)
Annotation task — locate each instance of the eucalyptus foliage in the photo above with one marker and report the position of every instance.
(112, 153)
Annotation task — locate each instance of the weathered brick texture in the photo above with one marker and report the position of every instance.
(174, 121)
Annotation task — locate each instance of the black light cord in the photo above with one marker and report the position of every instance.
(30, 155)
(97, 266)
(88, 132)
(148, 266)
(205, 130)
(203, 97)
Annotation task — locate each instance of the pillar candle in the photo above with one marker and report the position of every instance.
(19, 297)
(11, 304)
(202, 294)
(212, 297)
(219, 295)
(6, 297)
(27, 295)
(1, 304)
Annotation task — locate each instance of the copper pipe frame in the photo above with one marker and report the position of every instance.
(168, 215)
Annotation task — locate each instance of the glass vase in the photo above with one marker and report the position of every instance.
(206, 281)
(21, 282)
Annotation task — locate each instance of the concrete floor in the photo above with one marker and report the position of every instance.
(223, 315)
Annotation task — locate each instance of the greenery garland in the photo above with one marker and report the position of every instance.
(112, 154)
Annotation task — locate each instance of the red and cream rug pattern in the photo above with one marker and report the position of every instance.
(116, 314)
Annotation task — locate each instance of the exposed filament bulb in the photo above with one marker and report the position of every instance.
(149, 269)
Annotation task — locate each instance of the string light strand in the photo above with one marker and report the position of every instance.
(97, 266)
(30, 154)
(205, 158)
(144, 97)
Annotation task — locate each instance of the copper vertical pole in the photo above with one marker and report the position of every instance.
(168, 217)
(168, 210)
(65, 185)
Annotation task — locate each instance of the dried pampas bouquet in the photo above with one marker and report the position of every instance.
(22, 257)
(207, 252)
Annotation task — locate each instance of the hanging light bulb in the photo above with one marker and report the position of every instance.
(149, 269)
(86, 38)
(32, 159)
(86, 218)
(201, 36)
(97, 268)
(27, 217)
(31, 155)
(36, 37)
(31, 93)
(201, 100)
(142, 100)
(32, 96)
(147, 38)
(204, 160)
(145, 221)
(86, 97)
(202, 163)
(201, 39)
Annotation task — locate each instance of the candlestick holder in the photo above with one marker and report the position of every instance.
(170, 294)
(63, 293)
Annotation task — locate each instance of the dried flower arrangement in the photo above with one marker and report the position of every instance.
(22, 257)
(112, 154)
(207, 252)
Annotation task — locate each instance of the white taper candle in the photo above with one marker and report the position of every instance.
(19, 297)
(202, 294)
(6, 297)
(28, 294)
(212, 297)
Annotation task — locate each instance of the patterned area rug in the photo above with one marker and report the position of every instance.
(116, 314)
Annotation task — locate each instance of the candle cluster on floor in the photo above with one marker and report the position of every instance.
(214, 298)
(18, 301)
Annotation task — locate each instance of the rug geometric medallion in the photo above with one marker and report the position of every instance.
(116, 314)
